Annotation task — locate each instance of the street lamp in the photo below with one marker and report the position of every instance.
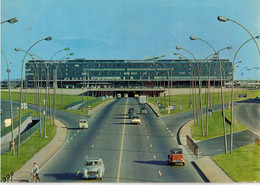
(222, 96)
(192, 85)
(10, 100)
(21, 93)
(11, 21)
(232, 95)
(200, 99)
(64, 57)
(224, 19)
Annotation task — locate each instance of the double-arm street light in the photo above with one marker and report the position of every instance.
(222, 96)
(21, 93)
(224, 19)
(11, 21)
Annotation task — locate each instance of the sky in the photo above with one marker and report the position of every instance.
(130, 29)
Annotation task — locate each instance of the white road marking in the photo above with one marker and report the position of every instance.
(164, 125)
(171, 134)
(160, 173)
(71, 138)
(97, 137)
(154, 157)
(167, 128)
(148, 137)
(151, 145)
(92, 146)
(101, 130)
(78, 131)
(169, 131)
(145, 130)
(75, 134)
(175, 138)
(86, 157)
(68, 141)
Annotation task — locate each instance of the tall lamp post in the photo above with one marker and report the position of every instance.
(21, 93)
(222, 96)
(224, 19)
(192, 85)
(11, 21)
(10, 100)
(232, 92)
(200, 99)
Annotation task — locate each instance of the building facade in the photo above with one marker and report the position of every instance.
(125, 73)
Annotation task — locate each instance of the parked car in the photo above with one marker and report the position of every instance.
(83, 123)
(257, 98)
(176, 156)
(136, 120)
(131, 112)
(143, 111)
(93, 168)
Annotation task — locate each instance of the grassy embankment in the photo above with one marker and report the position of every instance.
(27, 150)
(242, 165)
(186, 98)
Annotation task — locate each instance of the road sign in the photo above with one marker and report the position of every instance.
(174, 107)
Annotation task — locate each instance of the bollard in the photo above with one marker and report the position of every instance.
(4, 179)
(12, 174)
(8, 177)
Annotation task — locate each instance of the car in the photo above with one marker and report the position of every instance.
(83, 123)
(257, 98)
(136, 120)
(131, 112)
(143, 111)
(176, 156)
(94, 168)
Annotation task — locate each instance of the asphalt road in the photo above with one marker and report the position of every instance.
(131, 153)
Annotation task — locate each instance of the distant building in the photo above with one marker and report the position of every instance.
(126, 73)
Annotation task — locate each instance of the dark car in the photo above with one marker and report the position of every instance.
(257, 98)
(143, 111)
(131, 112)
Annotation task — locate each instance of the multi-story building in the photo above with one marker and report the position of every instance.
(126, 73)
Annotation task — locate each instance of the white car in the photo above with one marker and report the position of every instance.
(93, 168)
(83, 123)
(136, 120)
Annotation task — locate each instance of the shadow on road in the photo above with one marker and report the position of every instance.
(64, 176)
(248, 101)
(159, 163)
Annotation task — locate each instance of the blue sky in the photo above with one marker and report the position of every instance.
(129, 29)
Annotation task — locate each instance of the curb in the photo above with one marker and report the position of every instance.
(56, 153)
(102, 105)
(148, 103)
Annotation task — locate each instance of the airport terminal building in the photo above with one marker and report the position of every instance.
(80, 73)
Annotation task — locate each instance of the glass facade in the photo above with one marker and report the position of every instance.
(126, 73)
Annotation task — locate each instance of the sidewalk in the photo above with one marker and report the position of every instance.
(44, 155)
(206, 165)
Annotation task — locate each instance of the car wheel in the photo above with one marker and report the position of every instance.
(183, 163)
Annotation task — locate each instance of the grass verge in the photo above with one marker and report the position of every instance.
(243, 165)
(27, 150)
(215, 127)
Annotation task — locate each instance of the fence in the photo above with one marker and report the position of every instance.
(73, 104)
(87, 103)
(193, 146)
(6, 130)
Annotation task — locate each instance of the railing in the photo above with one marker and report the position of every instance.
(193, 146)
(6, 130)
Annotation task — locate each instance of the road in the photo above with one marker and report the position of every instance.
(131, 153)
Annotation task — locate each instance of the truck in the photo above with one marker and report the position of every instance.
(118, 96)
(142, 99)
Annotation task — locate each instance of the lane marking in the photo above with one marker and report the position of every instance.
(145, 130)
(151, 145)
(160, 173)
(86, 157)
(68, 141)
(78, 131)
(97, 137)
(167, 128)
(71, 138)
(154, 157)
(122, 144)
(101, 130)
(78, 172)
(169, 131)
(75, 134)
(148, 137)
(92, 145)
(171, 134)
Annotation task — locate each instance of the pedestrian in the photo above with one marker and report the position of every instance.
(35, 172)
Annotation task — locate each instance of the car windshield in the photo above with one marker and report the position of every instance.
(92, 163)
(83, 121)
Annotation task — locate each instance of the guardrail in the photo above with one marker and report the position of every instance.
(6, 130)
(193, 146)
(73, 104)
